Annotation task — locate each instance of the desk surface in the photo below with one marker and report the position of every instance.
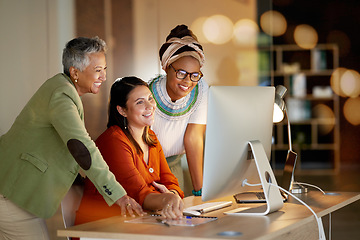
(293, 218)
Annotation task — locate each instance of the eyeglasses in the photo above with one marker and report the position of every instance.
(182, 74)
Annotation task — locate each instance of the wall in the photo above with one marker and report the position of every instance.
(33, 34)
(111, 20)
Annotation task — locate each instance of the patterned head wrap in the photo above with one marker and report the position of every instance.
(175, 44)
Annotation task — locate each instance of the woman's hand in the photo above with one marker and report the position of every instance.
(173, 206)
(128, 204)
(160, 187)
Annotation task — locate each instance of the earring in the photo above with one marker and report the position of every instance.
(125, 126)
(76, 80)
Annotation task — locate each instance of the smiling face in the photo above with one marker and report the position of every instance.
(140, 108)
(90, 79)
(179, 88)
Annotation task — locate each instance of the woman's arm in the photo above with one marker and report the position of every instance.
(163, 189)
(65, 114)
(170, 203)
(194, 148)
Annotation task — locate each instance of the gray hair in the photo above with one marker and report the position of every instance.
(76, 52)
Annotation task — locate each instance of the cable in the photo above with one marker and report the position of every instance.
(245, 182)
(318, 219)
(310, 185)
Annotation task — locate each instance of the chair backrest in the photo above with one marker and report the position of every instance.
(70, 204)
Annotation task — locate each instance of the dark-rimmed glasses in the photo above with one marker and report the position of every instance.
(182, 74)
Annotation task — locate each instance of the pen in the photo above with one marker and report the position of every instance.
(163, 222)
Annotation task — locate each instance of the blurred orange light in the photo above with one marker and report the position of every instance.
(335, 81)
(350, 83)
(218, 29)
(273, 23)
(324, 113)
(245, 32)
(305, 36)
(351, 111)
(197, 28)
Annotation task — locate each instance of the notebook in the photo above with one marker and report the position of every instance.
(288, 173)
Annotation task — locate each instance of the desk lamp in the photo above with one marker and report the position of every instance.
(279, 113)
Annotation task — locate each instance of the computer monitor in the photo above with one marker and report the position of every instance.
(239, 122)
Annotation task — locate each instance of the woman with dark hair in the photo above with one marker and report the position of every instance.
(181, 98)
(134, 155)
(42, 153)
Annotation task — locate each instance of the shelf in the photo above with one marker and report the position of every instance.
(306, 73)
(314, 98)
(305, 146)
(316, 121)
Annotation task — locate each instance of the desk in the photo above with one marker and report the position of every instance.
(293, 220)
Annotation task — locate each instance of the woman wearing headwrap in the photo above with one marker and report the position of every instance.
(181, 97)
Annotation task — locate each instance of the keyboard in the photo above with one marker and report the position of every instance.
(197, 210)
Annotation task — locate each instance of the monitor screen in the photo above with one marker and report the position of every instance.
(236, 116)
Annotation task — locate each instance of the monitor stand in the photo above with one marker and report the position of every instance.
(273, 196)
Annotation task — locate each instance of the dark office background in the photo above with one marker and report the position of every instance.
(337, 22)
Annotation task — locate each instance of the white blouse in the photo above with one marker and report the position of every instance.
(172, 118)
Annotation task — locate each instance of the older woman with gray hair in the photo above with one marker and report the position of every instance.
(42, 153)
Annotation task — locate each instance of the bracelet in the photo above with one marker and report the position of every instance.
(197, 193)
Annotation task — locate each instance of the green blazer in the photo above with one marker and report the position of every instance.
(41, 154)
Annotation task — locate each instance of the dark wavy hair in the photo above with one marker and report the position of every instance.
(119, 95)
(179, 31)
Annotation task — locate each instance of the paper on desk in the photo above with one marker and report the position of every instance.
(186, 221)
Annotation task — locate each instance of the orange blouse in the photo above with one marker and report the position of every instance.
(130, 171)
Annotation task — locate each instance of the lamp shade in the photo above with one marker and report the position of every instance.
(279, 104)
